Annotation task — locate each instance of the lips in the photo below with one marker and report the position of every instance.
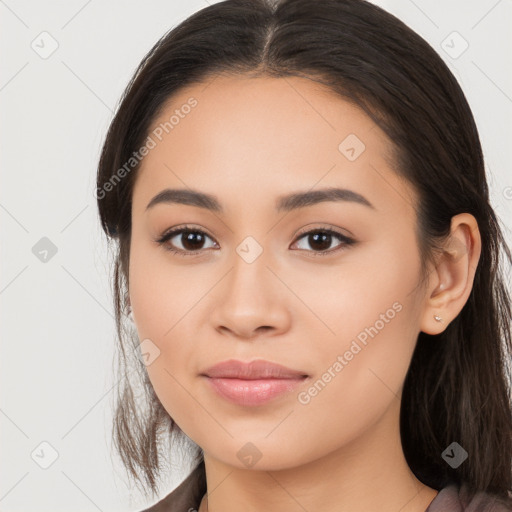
(254, 383)
(254, 370)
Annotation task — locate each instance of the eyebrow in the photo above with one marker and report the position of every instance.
(285, 203)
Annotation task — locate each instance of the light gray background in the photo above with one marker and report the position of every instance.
(57, 318)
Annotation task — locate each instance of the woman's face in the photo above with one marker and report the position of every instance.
(258, 286)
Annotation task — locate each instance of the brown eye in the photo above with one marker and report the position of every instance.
(320, 241)
(188, 241)
(191, 240)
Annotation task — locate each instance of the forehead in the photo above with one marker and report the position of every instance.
(251, 138)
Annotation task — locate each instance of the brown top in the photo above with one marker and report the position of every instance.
(187, 497)
(455, 499)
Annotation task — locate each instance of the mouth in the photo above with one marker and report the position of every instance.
(253, 383)
(257, 369)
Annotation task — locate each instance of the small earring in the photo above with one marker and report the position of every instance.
(438, 318)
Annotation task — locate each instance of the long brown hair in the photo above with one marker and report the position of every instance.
(456, 388)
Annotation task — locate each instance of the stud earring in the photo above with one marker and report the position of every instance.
(438, 318)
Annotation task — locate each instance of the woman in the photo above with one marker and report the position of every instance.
(305, 245)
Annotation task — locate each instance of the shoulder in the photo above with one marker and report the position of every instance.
(454, 498)
(186, 497)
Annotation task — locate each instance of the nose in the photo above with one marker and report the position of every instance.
(251, 301)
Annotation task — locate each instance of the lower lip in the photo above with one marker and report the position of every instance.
(253, 392)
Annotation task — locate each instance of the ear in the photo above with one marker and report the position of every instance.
(451, 281)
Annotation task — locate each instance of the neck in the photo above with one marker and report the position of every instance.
(368, 474)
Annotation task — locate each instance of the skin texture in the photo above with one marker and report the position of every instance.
(247, 142)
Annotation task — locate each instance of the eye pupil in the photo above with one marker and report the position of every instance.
(317, 240)
(193, 237)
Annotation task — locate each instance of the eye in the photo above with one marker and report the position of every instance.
(320, 240)
(191, 240)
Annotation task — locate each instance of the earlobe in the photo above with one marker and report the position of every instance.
(451, 281)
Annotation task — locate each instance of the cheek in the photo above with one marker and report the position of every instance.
(361, 367)
(165, 297)
(368, 293)
(161, 290)
(368, 326)
(168, 375)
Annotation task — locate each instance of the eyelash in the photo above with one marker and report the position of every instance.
(347, 241)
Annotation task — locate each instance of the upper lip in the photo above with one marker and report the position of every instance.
(258, 369)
